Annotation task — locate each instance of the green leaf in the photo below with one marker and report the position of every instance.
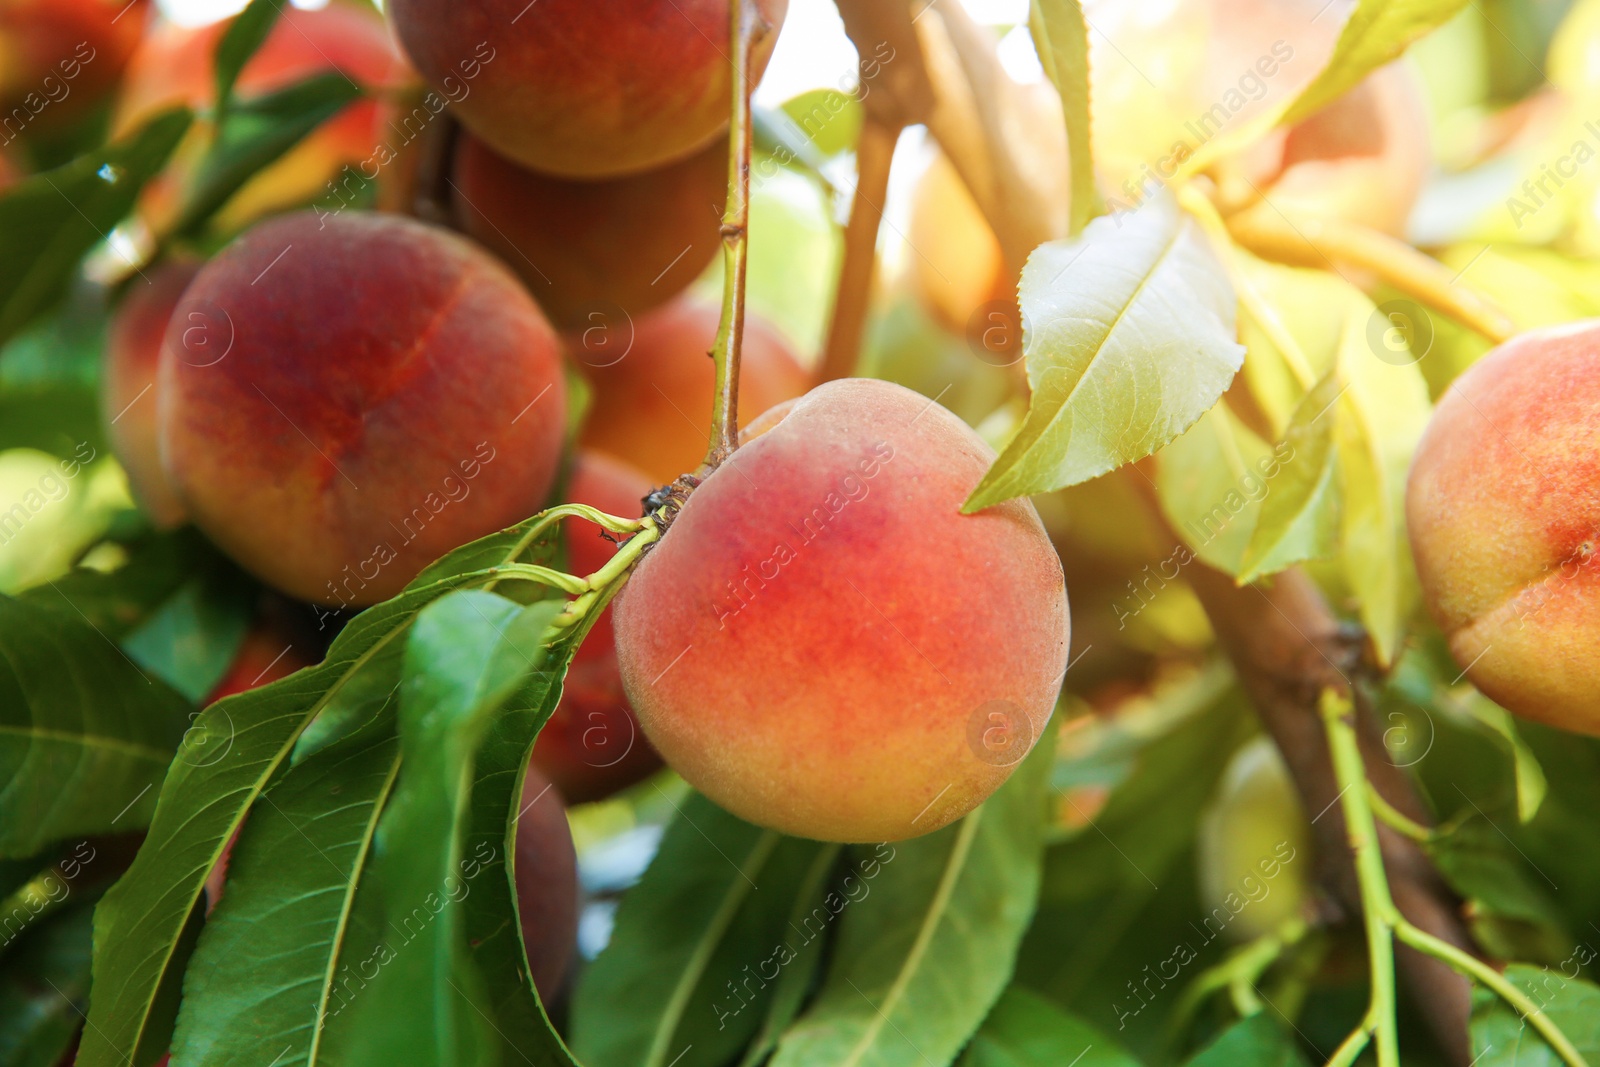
(467, 655)
(795, 982)
(1376, 33)
(235, 749)
(1211, 483)
(1259, 1041)
(269, 971)
(43, 989)
(1380, 416)
(811, 127)
(84, 735)
(1299, 517)
(119, 601)
(49, 221)
(725, 915)
(192, 638)
(1026, 1030)
(1531, 783)
(1119, 898)
(920, 961)
(1061, 38)
(244, 37)
(258, 132)
(1129, 336)
(1501, 1039)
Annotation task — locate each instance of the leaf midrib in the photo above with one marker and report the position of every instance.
(91, 740)
(738, 890)
(937, 908)
(337, 941)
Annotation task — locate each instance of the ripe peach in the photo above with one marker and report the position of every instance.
(344, 400)
(1169, 78)
(128, 395)
(547, 884)
(823, 644)
(592, 746)
(581, 89)
(174, 66)
(653, 383)
(1503, 507)
(627, 243)
(59, 58)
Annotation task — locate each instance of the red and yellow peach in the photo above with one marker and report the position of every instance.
(344, 400)
(822, 642)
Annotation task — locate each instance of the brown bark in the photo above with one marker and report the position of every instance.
(1287, 647)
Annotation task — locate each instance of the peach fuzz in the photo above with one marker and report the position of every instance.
(1503, 509)
(591, 248)
(821, 640)
(343, 401)
(581, 89)
(593, 746)
(128, 393)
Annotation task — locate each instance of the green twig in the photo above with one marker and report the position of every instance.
(1384, 922)
(1380, 914)
(748, 26)
(1470, 966)
(1397, 821)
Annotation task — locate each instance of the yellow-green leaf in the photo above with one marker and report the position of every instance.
(1129, 336)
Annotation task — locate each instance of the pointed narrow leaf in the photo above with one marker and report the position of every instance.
(699, 943)
(269, 970)
(85, 736)
(1129, 337)
(1061, 38)
(49, 221)
(244, 37)
(234, 749)
(1211, 482)
(920, 961)
(467, 654)
(259, 132)
(1376, 33)
(1300, 514)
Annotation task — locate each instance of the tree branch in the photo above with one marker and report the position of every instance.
(874, 153)
(1287, 647)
